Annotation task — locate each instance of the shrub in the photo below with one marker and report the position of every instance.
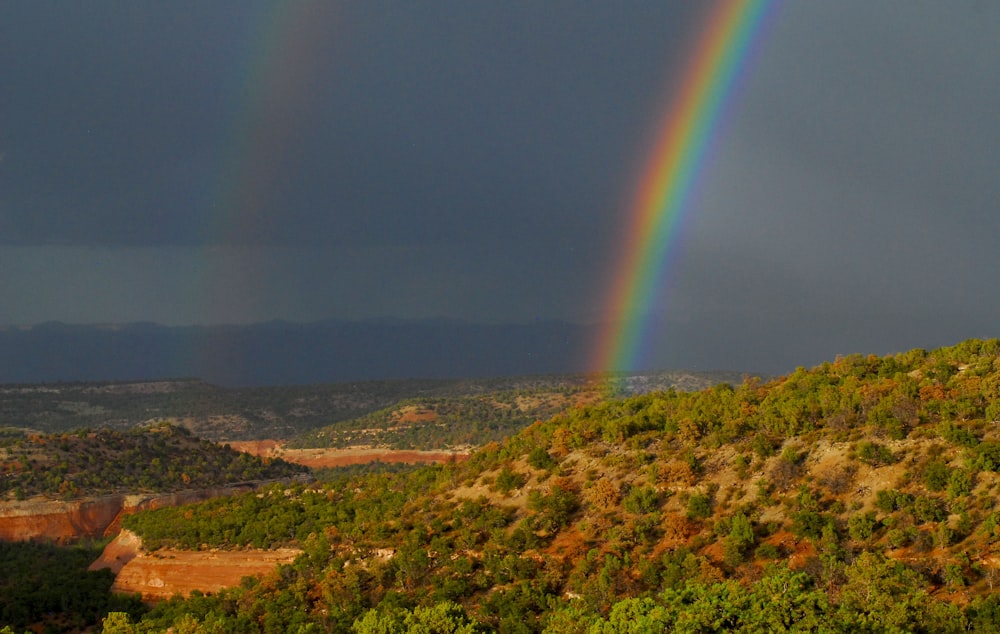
(936, 475)
(954, 576)
(742, 465)
(861, 527)
(961, 436)
(604, 494)
(839, 479)
(960, 483)
(889, 500)
(874, 454)
(508, 480)
(785, 470)
(539, 458)
(988, 456)
(899, 537)
(554, 509)
(739, 541)
(809, 524)
(699, 506)
(641, 500)
(767, 551)
(927, 509)
(763, 446)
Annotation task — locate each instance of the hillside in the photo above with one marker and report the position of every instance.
(860, 495)
(476, 417)
(159, 458)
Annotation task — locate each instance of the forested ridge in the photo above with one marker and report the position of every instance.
(153, 458)
(446, 422)
(859, 495)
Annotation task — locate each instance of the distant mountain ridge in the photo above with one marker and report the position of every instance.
(285, 353)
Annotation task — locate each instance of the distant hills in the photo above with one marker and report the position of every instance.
(491, 405)
(284, 353)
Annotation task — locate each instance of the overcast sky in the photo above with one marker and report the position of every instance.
(233, 162)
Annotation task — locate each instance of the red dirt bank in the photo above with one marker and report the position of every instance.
(321, 458)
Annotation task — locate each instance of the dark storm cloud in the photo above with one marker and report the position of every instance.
(107, 106)
(436, 123)
(887, 98)
(243, 161)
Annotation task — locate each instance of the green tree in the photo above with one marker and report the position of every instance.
(634, 616)
(539, 458)
(699, 506)
(882, 594)
(508, 480)
(740, 540)
(118, 623)
(643, 499)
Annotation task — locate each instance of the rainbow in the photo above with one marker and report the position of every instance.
(671, 175)
(269, 90)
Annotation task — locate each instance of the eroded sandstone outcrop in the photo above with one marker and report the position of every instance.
(58, 520)
(121, 550)
(166, 572)
(69, 520)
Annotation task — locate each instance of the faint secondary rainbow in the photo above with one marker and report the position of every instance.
(277, 59)
(672, 171)
(269, 89)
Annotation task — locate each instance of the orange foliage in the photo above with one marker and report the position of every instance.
(604, 494)
(935, 393)
(677, 471)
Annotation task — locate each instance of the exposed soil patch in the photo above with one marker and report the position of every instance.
(58, 520)
(415, 414)
(323, 458)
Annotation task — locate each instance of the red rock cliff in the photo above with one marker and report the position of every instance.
(63, 521)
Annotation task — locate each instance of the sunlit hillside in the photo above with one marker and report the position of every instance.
(859, 495)
(157, 458)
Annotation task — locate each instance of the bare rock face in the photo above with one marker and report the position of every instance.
(58, 520)
(121, 550)
(164, 573)
(70, 520)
